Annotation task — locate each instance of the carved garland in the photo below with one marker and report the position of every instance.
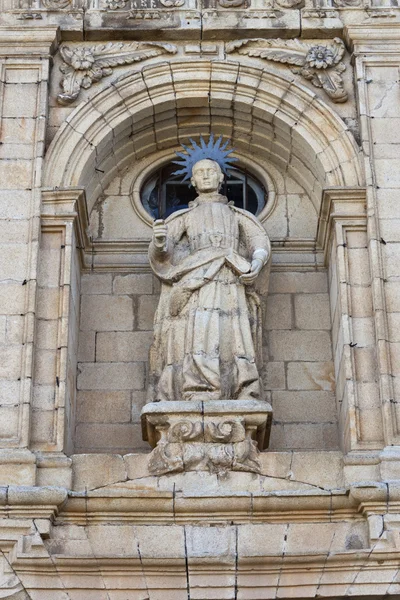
(319, 64)
(85, 65)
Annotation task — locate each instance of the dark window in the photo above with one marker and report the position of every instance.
(163, 193)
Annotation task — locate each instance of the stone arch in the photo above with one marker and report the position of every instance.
(161, 105)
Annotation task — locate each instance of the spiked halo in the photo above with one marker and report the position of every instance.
(212, 151)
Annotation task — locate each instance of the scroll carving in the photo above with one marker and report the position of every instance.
(85, 65)
(56, 4)
(319, 64)
(218, 447)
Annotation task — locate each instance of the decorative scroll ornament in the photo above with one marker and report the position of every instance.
(218, 447)
(115, 4)
(212, 435)
(86, 65)
(319, 64)
(289, 3)
(56, 4)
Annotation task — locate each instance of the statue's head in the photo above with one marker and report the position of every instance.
(207, 176)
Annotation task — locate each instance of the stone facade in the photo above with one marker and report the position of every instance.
(94, 98)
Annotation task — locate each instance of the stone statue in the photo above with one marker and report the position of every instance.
(207, 338)
(213, 261)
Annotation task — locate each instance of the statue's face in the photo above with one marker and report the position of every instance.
(207, 176)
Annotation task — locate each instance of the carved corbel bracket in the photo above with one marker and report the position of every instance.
(216, 435)
(319, 64)
(85, 65)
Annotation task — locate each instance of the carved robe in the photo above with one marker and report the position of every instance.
(207, 329)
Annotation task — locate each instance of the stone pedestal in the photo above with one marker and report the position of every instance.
(216, 436)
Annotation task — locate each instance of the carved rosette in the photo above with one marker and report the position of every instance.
(84, 65)
(215, 436)
(319, 64)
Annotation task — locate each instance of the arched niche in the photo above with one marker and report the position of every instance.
(144, 116)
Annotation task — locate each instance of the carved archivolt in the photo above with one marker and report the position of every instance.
(84, 65)
(319, 64)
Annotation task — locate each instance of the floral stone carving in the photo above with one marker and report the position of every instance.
(215, 436)
(319, 64)
(84, 65)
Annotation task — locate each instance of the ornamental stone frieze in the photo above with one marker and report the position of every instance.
(85, 65)
(320, 64)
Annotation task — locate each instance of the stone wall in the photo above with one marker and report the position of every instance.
(116, 326)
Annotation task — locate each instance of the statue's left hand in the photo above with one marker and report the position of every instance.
(250, 277)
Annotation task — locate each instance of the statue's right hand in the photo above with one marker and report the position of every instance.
(160, 233)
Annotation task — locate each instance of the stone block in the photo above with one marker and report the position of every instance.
(13, 261)
(312, 311)
(311, 376)
(87, 346)
(48, 303)
(279, 312)
(298, 537)
(45, 367)
(17, 467)
(134, 283)
(15, 329)
(14, 231)
(297, 282)
(305, 407)
(136, 465)
(359, 271)
(3, 322)
(364, 331)
(9, 418)
(10, 363)
(20, 100)
(302, 216)
(147, 309)
(261, 539)
(139, 399)
(117, 438)
(123, 346)
(276, 464)
(17, 131)
(12, 298)
(301, 436)
(96, 283)
(365, 363)
(210, 542)
(103, 407)
(275, 378)
(43, 426)
(361, 302)
(300, 345)
(160, 541)
(91, 471)
(324, 469)
(113, 540)
(14, 204)
(111, 376)
(9, 391)
(107, 313)
(16, 174)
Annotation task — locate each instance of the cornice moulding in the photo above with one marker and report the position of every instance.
(28, 42)
(382, 38)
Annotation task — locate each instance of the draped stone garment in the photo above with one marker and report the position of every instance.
(207, 329)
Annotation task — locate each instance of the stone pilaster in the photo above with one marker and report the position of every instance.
(376, 52)
(24, 76)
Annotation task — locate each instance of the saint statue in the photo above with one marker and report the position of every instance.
(213, 261)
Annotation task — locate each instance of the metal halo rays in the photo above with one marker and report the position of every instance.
(213, 150)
